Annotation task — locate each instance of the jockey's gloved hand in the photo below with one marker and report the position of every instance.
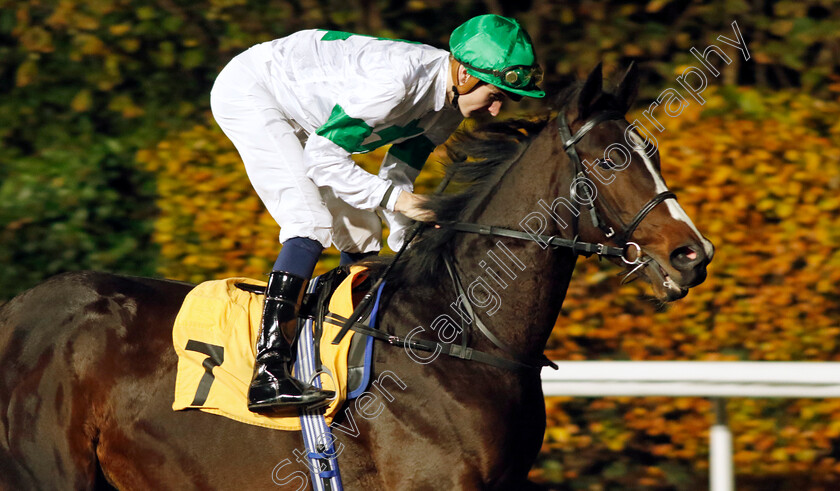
(411, 205)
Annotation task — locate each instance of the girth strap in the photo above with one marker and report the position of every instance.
(453, 350)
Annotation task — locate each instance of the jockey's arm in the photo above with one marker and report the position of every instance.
(401, 166)
(349, 129)
(328, 164)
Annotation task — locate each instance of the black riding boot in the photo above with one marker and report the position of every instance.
(273, 386)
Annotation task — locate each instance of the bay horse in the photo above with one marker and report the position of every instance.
(87, 367)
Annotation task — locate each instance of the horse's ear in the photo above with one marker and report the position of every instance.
(592, 88)
(628, 87)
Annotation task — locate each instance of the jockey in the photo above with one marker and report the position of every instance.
(296, 108)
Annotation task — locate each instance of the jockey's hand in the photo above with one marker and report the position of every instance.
(410, 205)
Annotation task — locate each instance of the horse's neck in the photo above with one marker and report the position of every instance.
(519, 287)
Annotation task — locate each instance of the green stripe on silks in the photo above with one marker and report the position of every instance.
(413, 152)
(355, 136)
(338, 36)
(346, 132)
(341, 36)
(391, 133)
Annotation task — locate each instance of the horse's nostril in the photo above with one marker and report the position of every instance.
(686, 257)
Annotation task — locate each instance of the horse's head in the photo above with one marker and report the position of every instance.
(623, 183)
(618, 198)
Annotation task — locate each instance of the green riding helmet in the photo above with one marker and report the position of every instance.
(497, 50)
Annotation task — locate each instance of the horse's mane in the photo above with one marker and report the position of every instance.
(477, 161)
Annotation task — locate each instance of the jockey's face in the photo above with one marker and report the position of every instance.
(484, 97)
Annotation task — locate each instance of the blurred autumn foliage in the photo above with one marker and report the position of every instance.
(111, 161)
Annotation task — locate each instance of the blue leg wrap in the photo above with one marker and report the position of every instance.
(298, 256)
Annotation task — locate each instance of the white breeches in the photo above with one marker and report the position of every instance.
(271, 146)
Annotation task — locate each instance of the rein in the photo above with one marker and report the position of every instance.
(518, 361)
(582, 248)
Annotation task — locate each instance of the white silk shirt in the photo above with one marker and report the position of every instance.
(351, 94)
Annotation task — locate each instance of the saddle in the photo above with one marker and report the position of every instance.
(217, 327)
(315, 306)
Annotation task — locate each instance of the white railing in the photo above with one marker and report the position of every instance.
(715, 380)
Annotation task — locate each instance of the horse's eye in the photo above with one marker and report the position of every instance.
(606, 164)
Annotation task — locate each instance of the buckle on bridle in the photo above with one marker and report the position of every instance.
(638, 253)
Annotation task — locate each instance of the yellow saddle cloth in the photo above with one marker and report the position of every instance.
(214, 336)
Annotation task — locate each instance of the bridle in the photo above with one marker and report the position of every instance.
(578, 246)
(569, 142)
(518, 361)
